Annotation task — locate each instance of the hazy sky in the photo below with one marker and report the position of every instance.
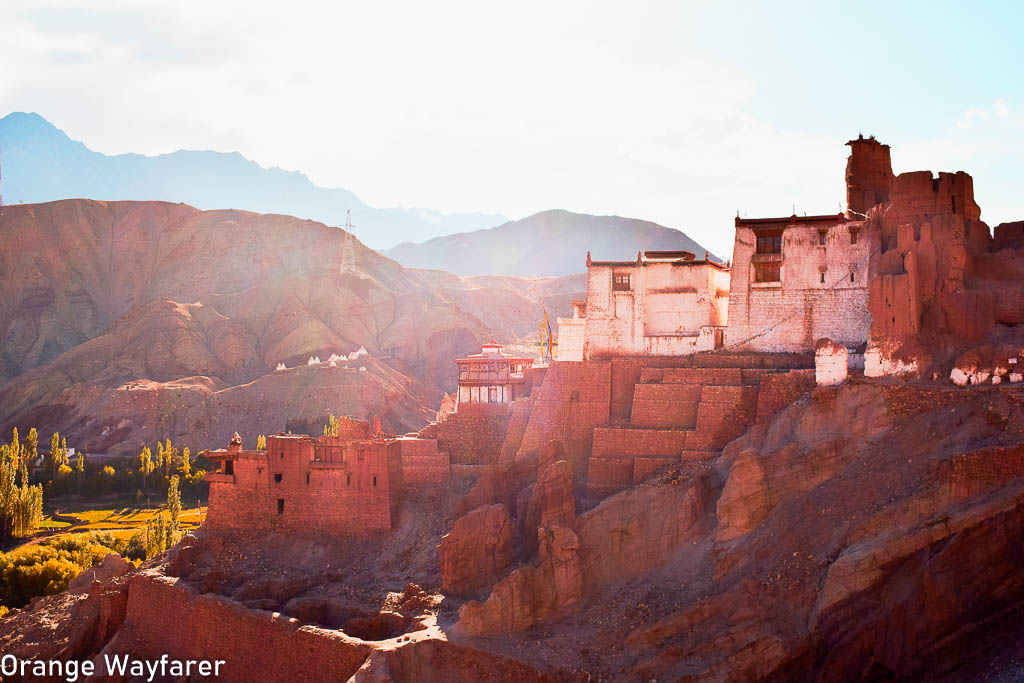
(677, 112)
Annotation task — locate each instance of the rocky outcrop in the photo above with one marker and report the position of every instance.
(477, 549)
(550, 500)
(110, 567)
(530, 595)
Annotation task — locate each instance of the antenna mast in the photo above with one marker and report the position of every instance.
(348, 253)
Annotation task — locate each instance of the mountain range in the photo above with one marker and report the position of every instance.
(40, 163)
(123, 322)
(546, 244)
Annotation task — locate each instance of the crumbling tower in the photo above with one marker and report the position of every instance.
(868, 175)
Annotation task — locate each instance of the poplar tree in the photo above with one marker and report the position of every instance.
(32, 445)
(16, 448)
(146, 466)
(174, 508)
(55, 453)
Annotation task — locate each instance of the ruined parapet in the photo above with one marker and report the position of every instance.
(831, 362)
(869, 175)
(989, 365)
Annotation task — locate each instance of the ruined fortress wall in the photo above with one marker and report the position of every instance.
(166, 616)
(522, 408)
(780, 390)
(245, 502)
(574, 398)
(474, 435)
(422, 463)
(792, 314)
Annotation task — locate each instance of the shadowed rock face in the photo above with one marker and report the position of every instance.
(172, 307)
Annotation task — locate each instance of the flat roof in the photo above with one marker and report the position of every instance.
(788, 220)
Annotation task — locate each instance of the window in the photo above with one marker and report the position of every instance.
(375, 480)
(307, 478)
(821, 237)
(277, 478)
(361, 454)
(229, 467)
(767, 272)
(282, 455)
(348, 479)
(280, 506)
(852, 278)
(853, 237)
(823, 278)
(769, 243)
(620, 282)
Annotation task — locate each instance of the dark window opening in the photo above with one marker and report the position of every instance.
(853, 237)
(769, 243)
(282, 455)
(361, 454)
(280, 506)
(375, 480)
(767, 272)
(348, 479)
(823, 278)
(277, 478)
(620, 282)
(307, 477)
(229, 467)
(852, 278)
(821, 238)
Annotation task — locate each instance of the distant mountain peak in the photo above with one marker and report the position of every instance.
(41, 164)
(548, 243)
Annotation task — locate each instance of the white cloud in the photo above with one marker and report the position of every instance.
(458, 106)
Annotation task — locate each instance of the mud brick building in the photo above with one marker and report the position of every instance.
(665, 303)
(344, 484)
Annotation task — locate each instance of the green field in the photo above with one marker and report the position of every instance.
(120, 520)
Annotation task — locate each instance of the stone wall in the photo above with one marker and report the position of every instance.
(474, 435)
(422, 463)
(571, 333)
(165, 616)
(780, 390)
(574, 398)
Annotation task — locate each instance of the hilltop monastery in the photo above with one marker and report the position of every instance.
(670, 357)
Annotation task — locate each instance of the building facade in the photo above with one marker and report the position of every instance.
(798, 279)
(665, 303)
(346, 484)
(491, 377)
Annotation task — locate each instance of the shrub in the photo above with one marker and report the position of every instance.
(47, 568)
